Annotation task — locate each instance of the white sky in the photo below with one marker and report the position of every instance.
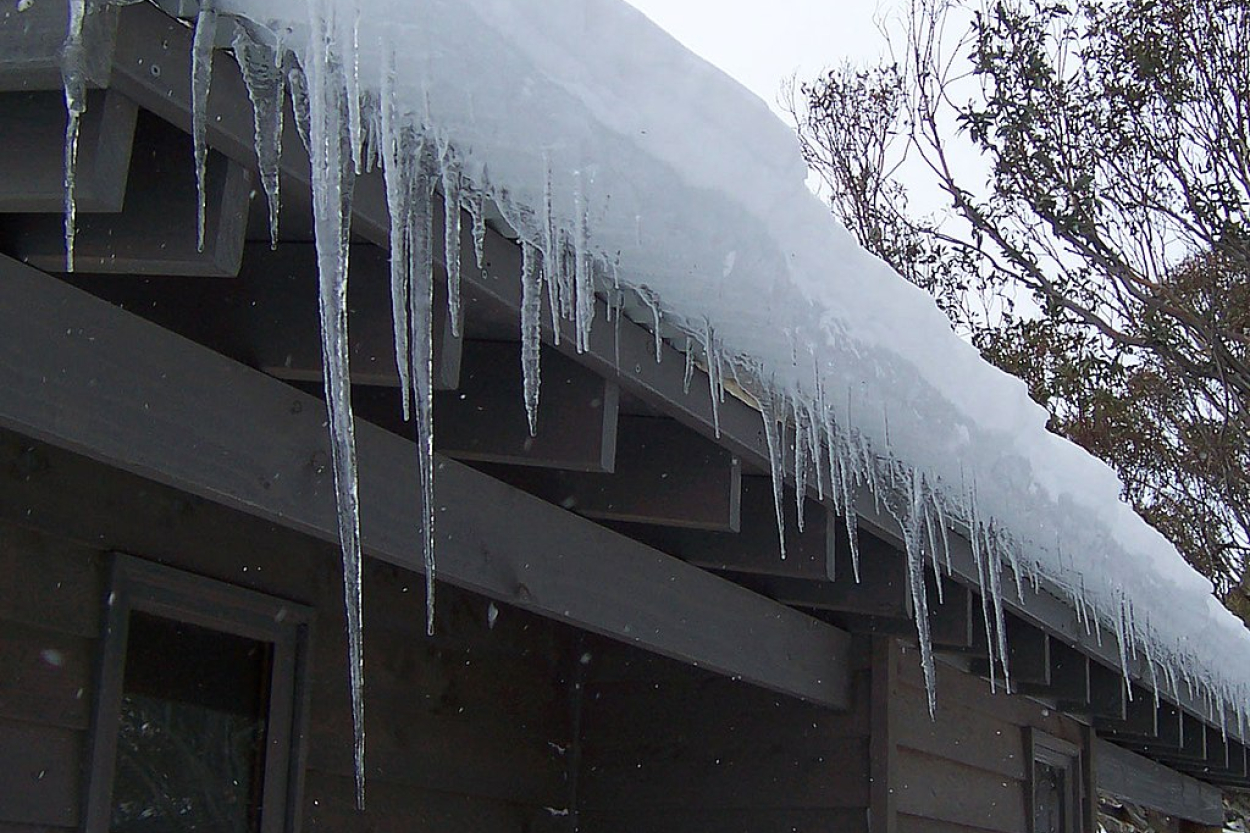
(760, 42)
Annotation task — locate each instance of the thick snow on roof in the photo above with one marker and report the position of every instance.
(624, 160)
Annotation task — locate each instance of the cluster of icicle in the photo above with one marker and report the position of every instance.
(349, 128)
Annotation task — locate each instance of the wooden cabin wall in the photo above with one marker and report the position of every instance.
(667, 748)
(967, 768)
(465, 730)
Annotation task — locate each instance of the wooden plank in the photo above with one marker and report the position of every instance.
(32, 167)
(155, 233)
(63, 594)
(1141, 781)
(960, 734)
(484, 419)
(39, 774)
(390, 808)
(940, 789)
(883, 744)
(84, 375)
(755, 548)
(880, 591)
(277, 304)
(31, 42)
(771, 820)
(699, 777)
(664, 475)
(1028, 655)
(45, 676)
(1069, 676)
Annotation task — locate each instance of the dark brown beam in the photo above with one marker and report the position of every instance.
(664, 475)
(1028, 655)
(1069, 676)
(278, 310)
(32, 167)
(1107, 699)
(484, 420)
(1141, 781)
(83, 375)
(1168, 740)
(951, 622)
(31, 42)
(155, 233)
(1140, 721)
(881, 589)
(756, 548)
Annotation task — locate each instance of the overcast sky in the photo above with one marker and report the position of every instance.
(760, 42)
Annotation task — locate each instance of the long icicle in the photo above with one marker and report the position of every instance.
(201, 80)
(261, 66)
(74, 79)
(768, 410)
(331, 183)
(531, 323)
(421, 343)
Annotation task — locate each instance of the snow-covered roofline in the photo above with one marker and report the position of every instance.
(626, 164)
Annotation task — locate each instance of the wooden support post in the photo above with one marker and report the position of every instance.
(155, 233)
(32, 166)
(1140, 721)
(83, 375)
(665, 475)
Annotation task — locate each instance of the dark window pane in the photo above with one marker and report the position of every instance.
(190, 748)
(1049, 796)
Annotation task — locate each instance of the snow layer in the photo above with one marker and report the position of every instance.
(622, 160)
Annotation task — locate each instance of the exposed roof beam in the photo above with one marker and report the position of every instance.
(84, 375)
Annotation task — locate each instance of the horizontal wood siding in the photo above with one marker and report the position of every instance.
(965, 768)
(671, 749)
(466, 730)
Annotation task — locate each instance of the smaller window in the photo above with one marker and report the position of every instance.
(1054, 784)
(200, 706)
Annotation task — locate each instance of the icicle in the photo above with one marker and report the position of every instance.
(713, 379)
(689, 372)
(297, 82)
(551, 254)
(201, 79)
(531, 321)
(451, 237)
(911, 522)
(74, 79)
(583, 271)
(351, 61)
(801, 449)
(266, 87)
(993, 567)
(421, 342)
(477, 209)
(839, 462)
(817, 453)
(652, 302)
(768, 410)
(978, 557)
(397, 151)
(330, 181)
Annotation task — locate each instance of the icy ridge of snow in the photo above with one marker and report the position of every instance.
(614, 152)
(626, 163)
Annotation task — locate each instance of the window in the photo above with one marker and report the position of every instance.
(1054, 784)
(200, 706)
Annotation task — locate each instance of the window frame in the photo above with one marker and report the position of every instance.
(139, 585)
(1043, 748)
